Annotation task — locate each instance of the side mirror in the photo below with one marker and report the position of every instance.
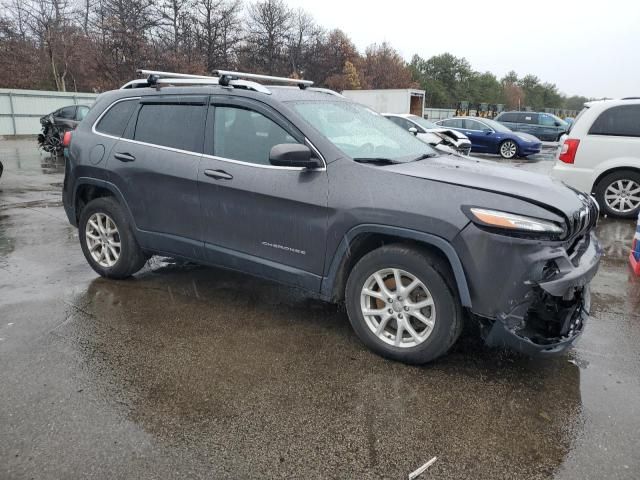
(293, 155)
(557, 123)
(487, 131)
(414, 130)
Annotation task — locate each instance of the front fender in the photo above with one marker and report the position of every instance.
(343, 249)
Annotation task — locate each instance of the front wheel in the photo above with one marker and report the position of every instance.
(618, 194)
(107, 239)
(402, 304)
(508, 149)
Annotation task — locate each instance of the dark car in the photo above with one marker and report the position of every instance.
(545, 126)
(305, 187)
(67, 118)
(488, 136)
(55, 124)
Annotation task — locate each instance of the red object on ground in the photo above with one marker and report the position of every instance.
(635, 265)
(634, 257)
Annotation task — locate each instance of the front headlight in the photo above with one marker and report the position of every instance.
(515, 223)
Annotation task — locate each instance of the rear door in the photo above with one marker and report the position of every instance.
(155, 166)
(480, 138)
(257, 217)
(527, 123)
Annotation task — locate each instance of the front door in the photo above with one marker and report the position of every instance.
(155, 166)
(478, 134)
(257, 217)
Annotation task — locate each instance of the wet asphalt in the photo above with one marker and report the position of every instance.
(195, 372)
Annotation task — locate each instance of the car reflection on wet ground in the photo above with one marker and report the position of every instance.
(195, 372)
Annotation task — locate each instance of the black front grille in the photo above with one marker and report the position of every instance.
(584, 220)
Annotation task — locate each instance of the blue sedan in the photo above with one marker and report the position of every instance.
(488, 136)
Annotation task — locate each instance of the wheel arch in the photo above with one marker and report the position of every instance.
(87, 189)
(362, 239)
(611, 170)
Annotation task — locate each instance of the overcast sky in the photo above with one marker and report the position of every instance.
(585, 47)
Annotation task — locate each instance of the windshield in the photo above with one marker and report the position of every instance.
(558, 119)
(422, 122)
(362, 133)
(498, 127)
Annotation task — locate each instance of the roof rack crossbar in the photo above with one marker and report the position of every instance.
(268, 78)
(156, 77)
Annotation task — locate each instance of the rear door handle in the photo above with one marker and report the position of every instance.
(218, 174)
(124, 157)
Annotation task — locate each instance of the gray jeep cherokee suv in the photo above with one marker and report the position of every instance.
(302, 186)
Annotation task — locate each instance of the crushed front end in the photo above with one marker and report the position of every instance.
(535, 298)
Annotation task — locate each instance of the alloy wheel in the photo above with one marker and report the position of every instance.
(103, 239)
(508, 149)
(398, 307)
(622, 196)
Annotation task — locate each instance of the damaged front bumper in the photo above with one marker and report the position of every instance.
(542, 304)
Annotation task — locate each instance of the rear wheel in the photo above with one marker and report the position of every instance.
(508, 149)
(402, 305)
(618, 194)
(107, 239)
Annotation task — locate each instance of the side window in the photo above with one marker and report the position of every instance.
(81, 112)
(508, 117)
(246, 135)
(174, 125)
(115, 120)
(621, 121)
(530, 118)
(453, 123)
(401, 122)
(68, 113)
(472, 124)
(547, 120)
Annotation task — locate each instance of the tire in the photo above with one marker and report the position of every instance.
(445, 311)
(508, 149)
(626, 181)
(130, 257)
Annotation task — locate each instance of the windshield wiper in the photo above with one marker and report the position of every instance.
(425, 156)
(378, 160)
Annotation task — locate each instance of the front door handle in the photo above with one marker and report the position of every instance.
(124, 157)
(218, 174)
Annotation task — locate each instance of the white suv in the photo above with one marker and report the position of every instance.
(601, 155)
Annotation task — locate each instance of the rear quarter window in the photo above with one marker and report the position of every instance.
(115, 120)
(508, 117)
(620, 121)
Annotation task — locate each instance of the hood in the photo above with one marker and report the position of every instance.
(489, 176)
(528, 136)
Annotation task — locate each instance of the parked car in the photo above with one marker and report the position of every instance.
(601, 155)
(488, 136)
(545, 126)
(55, 124)
(445, 139)
(305, 187)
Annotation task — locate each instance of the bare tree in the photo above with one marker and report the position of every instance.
(304, 35)
(218, 32)
(268, 32)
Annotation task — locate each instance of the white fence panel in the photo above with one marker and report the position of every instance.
(20, 110)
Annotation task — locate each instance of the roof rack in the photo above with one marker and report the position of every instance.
(225, 78)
